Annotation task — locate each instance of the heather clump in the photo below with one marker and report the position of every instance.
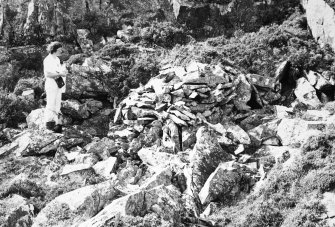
(291, 195)
(14, 109)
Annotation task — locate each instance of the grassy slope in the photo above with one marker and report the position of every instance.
(291, 194)
(261, 52)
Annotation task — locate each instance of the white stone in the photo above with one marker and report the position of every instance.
(312, 77)
(75, 168)
(317, 115)
(218, 71)
(153, 158)
(239, 149)
(28, 94)
(306, 94)
(105, 168)
(224, 181)
(282, 111)
(35, 119)
(8, 148)
(71, 156)
(236, 131)
(321, 24)
(162, 177)
(264, 131)
(296, 131)
(180, 71)
(329, 202)
(17, 211)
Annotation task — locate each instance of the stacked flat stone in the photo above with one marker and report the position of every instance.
(188, 95)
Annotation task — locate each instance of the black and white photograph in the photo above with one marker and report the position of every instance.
(167, 113)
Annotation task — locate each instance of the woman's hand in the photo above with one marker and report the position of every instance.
(63, 70)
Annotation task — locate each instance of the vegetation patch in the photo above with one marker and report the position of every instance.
(261, 52)
(14, 109)
(130, 67)
(290, 195)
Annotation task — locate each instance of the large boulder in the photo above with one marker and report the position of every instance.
(86, 82)
(31, 142)
(35, 119)
(293, 132)
(77, 206)
(162, 177)
(16, 211)
(171, 136)
(162, 200)
(264, 131)
(230, 133)
(106, 168)
(206, 155)
(329, 202)
(152, 157)
(96, 126)
(321, 24)
(75, 109)
(226, 183)
(86, 44)
(243, 90)
(103, 148)
(306, 93)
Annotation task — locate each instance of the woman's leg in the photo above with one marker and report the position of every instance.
(58, 104)
(50, 109)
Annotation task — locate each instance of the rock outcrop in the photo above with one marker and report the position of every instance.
(37, 19)
(78, 205)
(321, 24)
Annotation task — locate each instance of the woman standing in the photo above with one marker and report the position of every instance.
(54, 73)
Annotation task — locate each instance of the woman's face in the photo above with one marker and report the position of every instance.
(59, 51)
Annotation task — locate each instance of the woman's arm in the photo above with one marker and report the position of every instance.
(53, 75)
(51, 69)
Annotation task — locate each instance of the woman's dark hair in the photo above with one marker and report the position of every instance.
(53, 47)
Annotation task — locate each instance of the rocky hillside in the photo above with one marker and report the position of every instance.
(37, 21)
(321, 24)
(163, 130)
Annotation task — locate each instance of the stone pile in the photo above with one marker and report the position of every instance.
(198, 91)
(185, 97)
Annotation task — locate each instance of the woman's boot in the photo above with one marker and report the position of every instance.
(50, 125)
(58, 129)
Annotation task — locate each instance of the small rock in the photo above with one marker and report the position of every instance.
(282, 111)
(209, 210)
(306, 94)
(193, 95)
(261, 81)
(282, 71)
(162, 177)
(177, 120)
(329, 202)
(118, 115)
(179, 92)
(35, 119)
(28, 94)
(106, 168)
(239, 149)
(8, 148)
(67, 169)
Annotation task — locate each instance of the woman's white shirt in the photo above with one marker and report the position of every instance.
(52, 64)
